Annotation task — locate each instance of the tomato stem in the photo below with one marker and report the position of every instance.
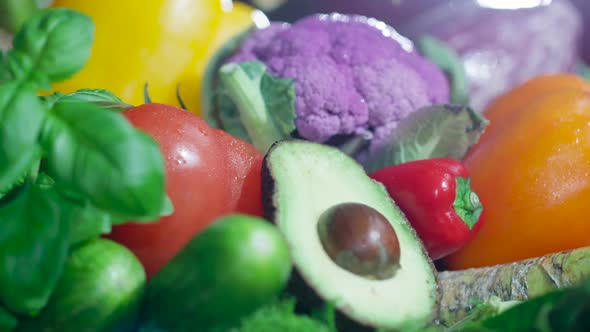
(146, 94)
(179, 97)
(14, 13)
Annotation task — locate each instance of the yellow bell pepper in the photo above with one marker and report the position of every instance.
(164, 43)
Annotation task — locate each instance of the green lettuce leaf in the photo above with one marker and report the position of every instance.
(439, 131)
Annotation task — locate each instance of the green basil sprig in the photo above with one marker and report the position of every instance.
(71, 165)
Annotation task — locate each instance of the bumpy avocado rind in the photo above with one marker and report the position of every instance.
(301, 180)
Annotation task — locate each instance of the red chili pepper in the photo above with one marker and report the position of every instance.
(436, 197)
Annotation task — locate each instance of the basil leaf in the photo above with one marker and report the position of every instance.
(102, 98)
(4, 74)
(167, 207)
(21, 119)
(33, 248)
(43, 3)
(18, 67)
(54, 43)
(44, 181)
(88, 222)
(100, 155)
(7, 321)
(51, 99)
(438, 131)
(18, 182)
(166, 210)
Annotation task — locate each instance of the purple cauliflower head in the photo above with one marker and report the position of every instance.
(353, 75)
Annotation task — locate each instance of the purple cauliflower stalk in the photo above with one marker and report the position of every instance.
(353, 76)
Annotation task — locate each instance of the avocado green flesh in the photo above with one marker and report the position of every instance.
(308, 179)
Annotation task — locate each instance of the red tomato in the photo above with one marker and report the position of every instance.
(208, 174)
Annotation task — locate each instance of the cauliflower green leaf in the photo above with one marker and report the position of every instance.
(256, 106)
(439, 131)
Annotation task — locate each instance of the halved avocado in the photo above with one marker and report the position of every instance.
(301, 182)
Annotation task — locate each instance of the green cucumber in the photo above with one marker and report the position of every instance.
(100, 290)
(237, 264)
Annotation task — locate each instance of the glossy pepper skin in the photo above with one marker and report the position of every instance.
(531, 169)
(164, 43)
(436, 197)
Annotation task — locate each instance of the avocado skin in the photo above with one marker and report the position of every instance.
(268, 186)
(307, 298)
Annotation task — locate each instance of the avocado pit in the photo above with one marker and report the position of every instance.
(360, 239)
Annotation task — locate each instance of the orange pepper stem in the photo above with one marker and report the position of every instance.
(14, 13)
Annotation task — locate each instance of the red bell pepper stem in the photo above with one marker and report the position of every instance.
(467, 204)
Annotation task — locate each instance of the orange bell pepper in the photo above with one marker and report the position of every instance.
(531, 170)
